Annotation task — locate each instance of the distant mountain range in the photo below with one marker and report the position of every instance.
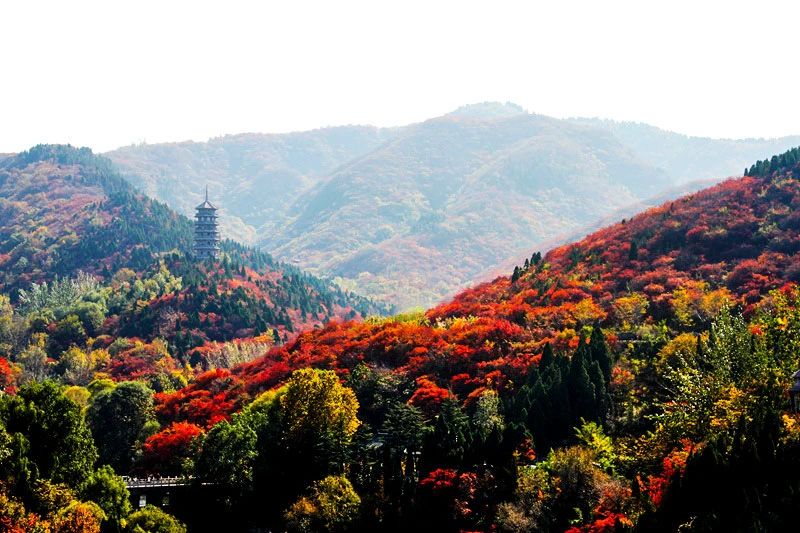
(412, 214)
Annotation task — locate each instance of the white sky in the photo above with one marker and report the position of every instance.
(109, 73)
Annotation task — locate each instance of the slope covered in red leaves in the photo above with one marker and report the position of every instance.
(676, 265)
(742, 235)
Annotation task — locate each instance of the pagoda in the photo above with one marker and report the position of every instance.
(206, 235)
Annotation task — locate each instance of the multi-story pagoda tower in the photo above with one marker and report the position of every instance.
(206, 235)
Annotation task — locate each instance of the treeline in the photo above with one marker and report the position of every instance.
(781, 163)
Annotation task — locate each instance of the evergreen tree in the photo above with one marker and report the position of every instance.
(633, 253)
(451, 437)
(547, 357)
(599, 351)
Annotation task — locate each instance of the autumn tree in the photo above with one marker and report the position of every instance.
(79, 517)
(153, 520)
(110, 493)
(118, 418)
(304, 431)
(49, 434)
(330, 505)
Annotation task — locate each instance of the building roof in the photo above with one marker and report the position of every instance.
(206, 204)
(795, 388)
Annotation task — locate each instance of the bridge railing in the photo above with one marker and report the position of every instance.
(142, 482)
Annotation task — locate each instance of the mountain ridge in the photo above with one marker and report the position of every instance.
(458, 196)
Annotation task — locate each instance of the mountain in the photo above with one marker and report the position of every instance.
(451, 195)
(633, 380)
(654, 353)
(686, 158)
(731, 243)
(64, 211)
(253, 177)
(411, 215)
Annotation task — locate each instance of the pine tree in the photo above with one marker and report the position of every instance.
(599, 352)
(581, 390)
(547, 357)
(451, 436)
(633, 253)
(602, 398)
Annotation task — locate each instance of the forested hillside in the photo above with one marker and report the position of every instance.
(411, 215)
(635, 380)
(65, 211)
(606, 386)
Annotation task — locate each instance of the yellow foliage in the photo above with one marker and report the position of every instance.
(630, 310)
(79, 395)
(331, 506)
(79, 517)
(729, 408)
(315, 401)
(587, 311)
(693, 301)
(678, 352)
(791, 428)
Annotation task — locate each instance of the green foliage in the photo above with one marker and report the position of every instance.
(59, 296)
(591, 435)
(151, 519)
(69, 332)
(118, 418)
(331, 505)
(48, 436)
(782, 163)
(744, 479)
(228, 456)
(108, 491)
(487, 417)
(451, 436)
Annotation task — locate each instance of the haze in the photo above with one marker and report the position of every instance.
(106, 74)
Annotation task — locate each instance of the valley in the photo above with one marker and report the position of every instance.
(411, 215)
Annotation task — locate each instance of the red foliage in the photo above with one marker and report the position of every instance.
(673, 465)
(439, 480)
(740, 235)
(428, 395)
(141, 361)
(212, 397)
(164, 451)
(6, 376)
(606, 524)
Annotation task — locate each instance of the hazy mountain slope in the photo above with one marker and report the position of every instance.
(687, 158)
(253, 177)
(447, 199)
(561, 239)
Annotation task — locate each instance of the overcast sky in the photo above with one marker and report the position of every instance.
(110, 73)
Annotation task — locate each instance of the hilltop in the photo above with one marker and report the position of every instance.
(65, 211)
